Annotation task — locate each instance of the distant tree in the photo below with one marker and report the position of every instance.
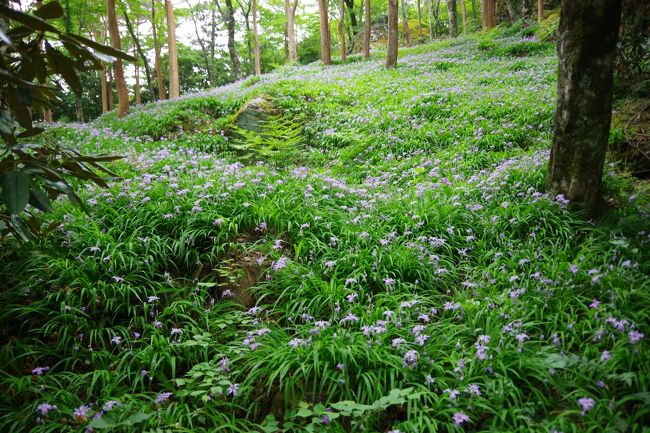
(174, 86)
(156, 53)
(118, 69)
(228, 15)
(588, 34)
(367, 24)
(540, 10)
(393, 41)
(324, 33)
(405, 23)
(419, 3)
(526, 10)
(463, 9)
(453, 23)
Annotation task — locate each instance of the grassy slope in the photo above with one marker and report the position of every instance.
(404, 244)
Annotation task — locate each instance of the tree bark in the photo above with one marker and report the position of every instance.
(324, 33)
(341, 29)
(136, 40)
(256, 41)
(513, 12)
(138, 99)
(122, 92)
(586, 49)
(367, 24)
(232, 49)
(540, 11)
(174, 84)
(353, 16)
(405, 23)
(419, 18)
(453, 23)
(109, 92)
(290, 9)
(104, 89)
(391, 51)
(156, 49)
(204, 49)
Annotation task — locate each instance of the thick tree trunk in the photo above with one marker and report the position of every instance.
(143, 58)
(463, 9)
(484, 14)
(174, 84)
(586, 49)
(405, 24)
(488, 9)
(256, 41)
(367, 24)
(122, 92)
(156, 49)
(453, 23)
(324, 33)
(393, 41)
(341, 29)
(540, 10)
(290, 9)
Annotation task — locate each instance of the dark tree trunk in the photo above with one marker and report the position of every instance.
(526, 10)
(512, 10)
(453, 23)
(138, 47)
(405, 23)
(229, 16)
(391, 52)
(586, 49)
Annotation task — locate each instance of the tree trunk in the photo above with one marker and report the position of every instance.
(174, 84)
(430, 10)
(156, 49)
(391, 51)
(256, 41)
(290, 7)
(405, 23)
(540, 11)
(586, 50)
(463, 9)
(453, 24)
(204, 49)
(104, 89)
(474, 10)
(324, 33)
(232, 49)
(47, 112)
(419, 18)
(341, 29)
(122, 92)
(353, 16)
(109, 93)
(367, 24)
(136, 40)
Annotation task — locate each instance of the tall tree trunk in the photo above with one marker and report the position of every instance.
(513, 12)
(430, 10)
(540, 11)
(47, 112)
(174, 84)
(290, 8)
(341, 29)
(463, 9)
(156, 49)
(484, 14)
(419, 18)
(143, 58)
(453, 23)
(256, 41)
(586, 49)
(393, 41)
(122, 92)
(405, 23)
(109, 93)
(204, 49)
(324, 32)
(232, 48)
(474, 10)
(367, 24)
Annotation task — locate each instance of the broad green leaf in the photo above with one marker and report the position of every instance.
(15, 190)
(38, 198)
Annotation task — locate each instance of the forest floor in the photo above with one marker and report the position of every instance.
(354, 250)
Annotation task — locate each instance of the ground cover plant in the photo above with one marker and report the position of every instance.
(397, 267)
